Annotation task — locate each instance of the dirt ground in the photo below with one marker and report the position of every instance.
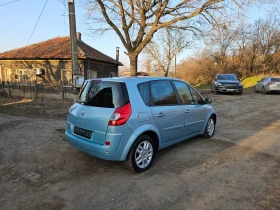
(239, 168)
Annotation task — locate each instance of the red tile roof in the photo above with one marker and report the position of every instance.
(56, 48)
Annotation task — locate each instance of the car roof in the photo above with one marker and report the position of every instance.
(136, 79)
(225, 74)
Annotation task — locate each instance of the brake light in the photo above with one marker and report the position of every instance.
(120, 115)
(271, 83)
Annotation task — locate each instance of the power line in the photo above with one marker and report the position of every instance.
(8, 3)
(37, 22)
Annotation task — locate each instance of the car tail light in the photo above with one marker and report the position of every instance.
(120, 115)
(271, 83)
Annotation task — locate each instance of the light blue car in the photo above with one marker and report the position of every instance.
(129, 119)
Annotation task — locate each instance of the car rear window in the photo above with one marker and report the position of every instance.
(275, 79)
(103, 94)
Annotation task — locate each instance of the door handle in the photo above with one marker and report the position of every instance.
(187, 111)
(160, 114)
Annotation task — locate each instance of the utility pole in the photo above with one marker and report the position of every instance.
(175, 66)
(74, 49)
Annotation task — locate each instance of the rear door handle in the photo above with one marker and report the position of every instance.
(187, 111)
(160, 114)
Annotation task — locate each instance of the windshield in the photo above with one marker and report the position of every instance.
(102, 94)
(226, 77)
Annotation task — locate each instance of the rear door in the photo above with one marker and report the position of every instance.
(96, 104)
(193, 109)
(166, 111)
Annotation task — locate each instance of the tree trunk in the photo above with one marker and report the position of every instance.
(166, 73)
(133, 65)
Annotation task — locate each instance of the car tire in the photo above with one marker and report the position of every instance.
(212, 89)
(215, 91)
(255, 90)
(240, 93)
(263, 90)
(142, 149)
(210, 128)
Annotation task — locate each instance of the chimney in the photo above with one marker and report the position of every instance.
(79, 36)
(117, 53)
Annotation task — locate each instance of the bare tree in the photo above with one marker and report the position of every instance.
(136, 21)
(221, 40)
(168, 45)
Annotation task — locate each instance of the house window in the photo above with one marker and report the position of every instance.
(22, 75)
(112, 74)
(91, 74)
(66, 77)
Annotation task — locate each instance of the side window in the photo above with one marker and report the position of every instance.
(144, 92)
(196, 97)
(184, 92)
(162, 93)
(263, 79)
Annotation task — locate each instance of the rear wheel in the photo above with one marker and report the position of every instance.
(210, 128)
(263, 90)
(141, 154)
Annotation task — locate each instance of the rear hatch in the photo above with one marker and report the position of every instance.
(98, 100)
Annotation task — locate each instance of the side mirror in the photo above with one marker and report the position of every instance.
(208, 101)
(215, 79)
(238, 79)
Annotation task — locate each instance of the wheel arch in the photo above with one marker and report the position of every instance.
(145, 130)
(212, 114)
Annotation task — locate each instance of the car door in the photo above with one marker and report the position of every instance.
(166, 111)
(260, 84)
(192, 105)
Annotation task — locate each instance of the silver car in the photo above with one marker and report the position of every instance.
(268, 85)
(130, 119)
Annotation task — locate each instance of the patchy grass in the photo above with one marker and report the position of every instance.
(29, 107)
(203, 86)
(251, 81)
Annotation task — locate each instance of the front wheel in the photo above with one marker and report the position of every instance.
(141, 154)
(210, 128)
(212, 89)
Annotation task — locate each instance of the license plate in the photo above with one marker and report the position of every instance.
(230, 90)
(82, 132)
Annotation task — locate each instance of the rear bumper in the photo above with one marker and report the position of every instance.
(273, 89)
(97, 150)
